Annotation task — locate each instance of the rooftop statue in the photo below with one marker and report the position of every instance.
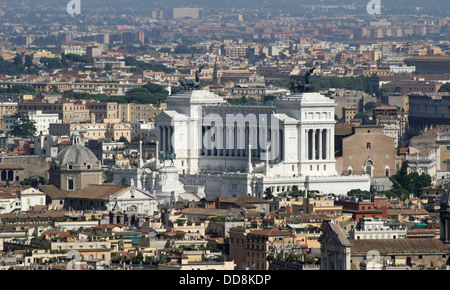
(299, 86)
(190, 84)
(168, 156)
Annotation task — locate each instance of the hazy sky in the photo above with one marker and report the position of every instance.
(407, 7)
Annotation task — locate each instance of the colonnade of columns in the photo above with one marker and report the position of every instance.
(225, 141)
(318, 144)
(165, 135)
(445, 226)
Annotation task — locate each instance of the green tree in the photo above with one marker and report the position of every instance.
(358, 192)
(28, 61)
(295, 191)
(370, 105)
(24, 127)
(21, 89)
(51, 63)
(268, 193)
(15, 67)
(445, 88)
(141, 65)
(412, 182)
(337, 119)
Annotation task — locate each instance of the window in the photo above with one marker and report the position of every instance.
(70, 184)
(369, 166)
(368, 146)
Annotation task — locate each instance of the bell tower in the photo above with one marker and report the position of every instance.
(217, 74)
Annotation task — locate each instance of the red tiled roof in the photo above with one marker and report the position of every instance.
(404, 246)
(270, 232)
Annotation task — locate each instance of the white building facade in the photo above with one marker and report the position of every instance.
(243, 150)
(41, 121)
(375, 228)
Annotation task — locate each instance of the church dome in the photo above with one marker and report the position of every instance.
(76, 155)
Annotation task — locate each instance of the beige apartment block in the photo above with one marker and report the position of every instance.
(6, 109)
(131, 113)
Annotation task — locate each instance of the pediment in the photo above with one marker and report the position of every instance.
(133, 193)
(169, 116)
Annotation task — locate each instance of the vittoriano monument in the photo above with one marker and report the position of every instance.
(304, 86)
(168, 156)
(190, 84)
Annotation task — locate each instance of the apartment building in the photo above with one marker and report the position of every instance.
(6, 109)
(363, 206)
(133, 113)
(406, 87)
(73, 111)
(107, 88)
(93, 131)
(321, 205)
(103, 112)
(348, 113)
(250, 248)
(86, 251)
(377, 228)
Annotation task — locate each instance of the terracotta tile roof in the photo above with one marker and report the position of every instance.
(246, 201)
(270, 232)
(60, 234)
(343, 130)
(338, 230)
(173, 233)
(10, 166)
(94, 191)
(403, 150)
(25, 215)
(395, 211)
(208, 211)
(401, 246)
(53, 191)
(107, 226)
(385, 107)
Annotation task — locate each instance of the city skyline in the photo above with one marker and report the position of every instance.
(224, 135)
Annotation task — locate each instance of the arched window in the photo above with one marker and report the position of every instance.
(368, 166)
